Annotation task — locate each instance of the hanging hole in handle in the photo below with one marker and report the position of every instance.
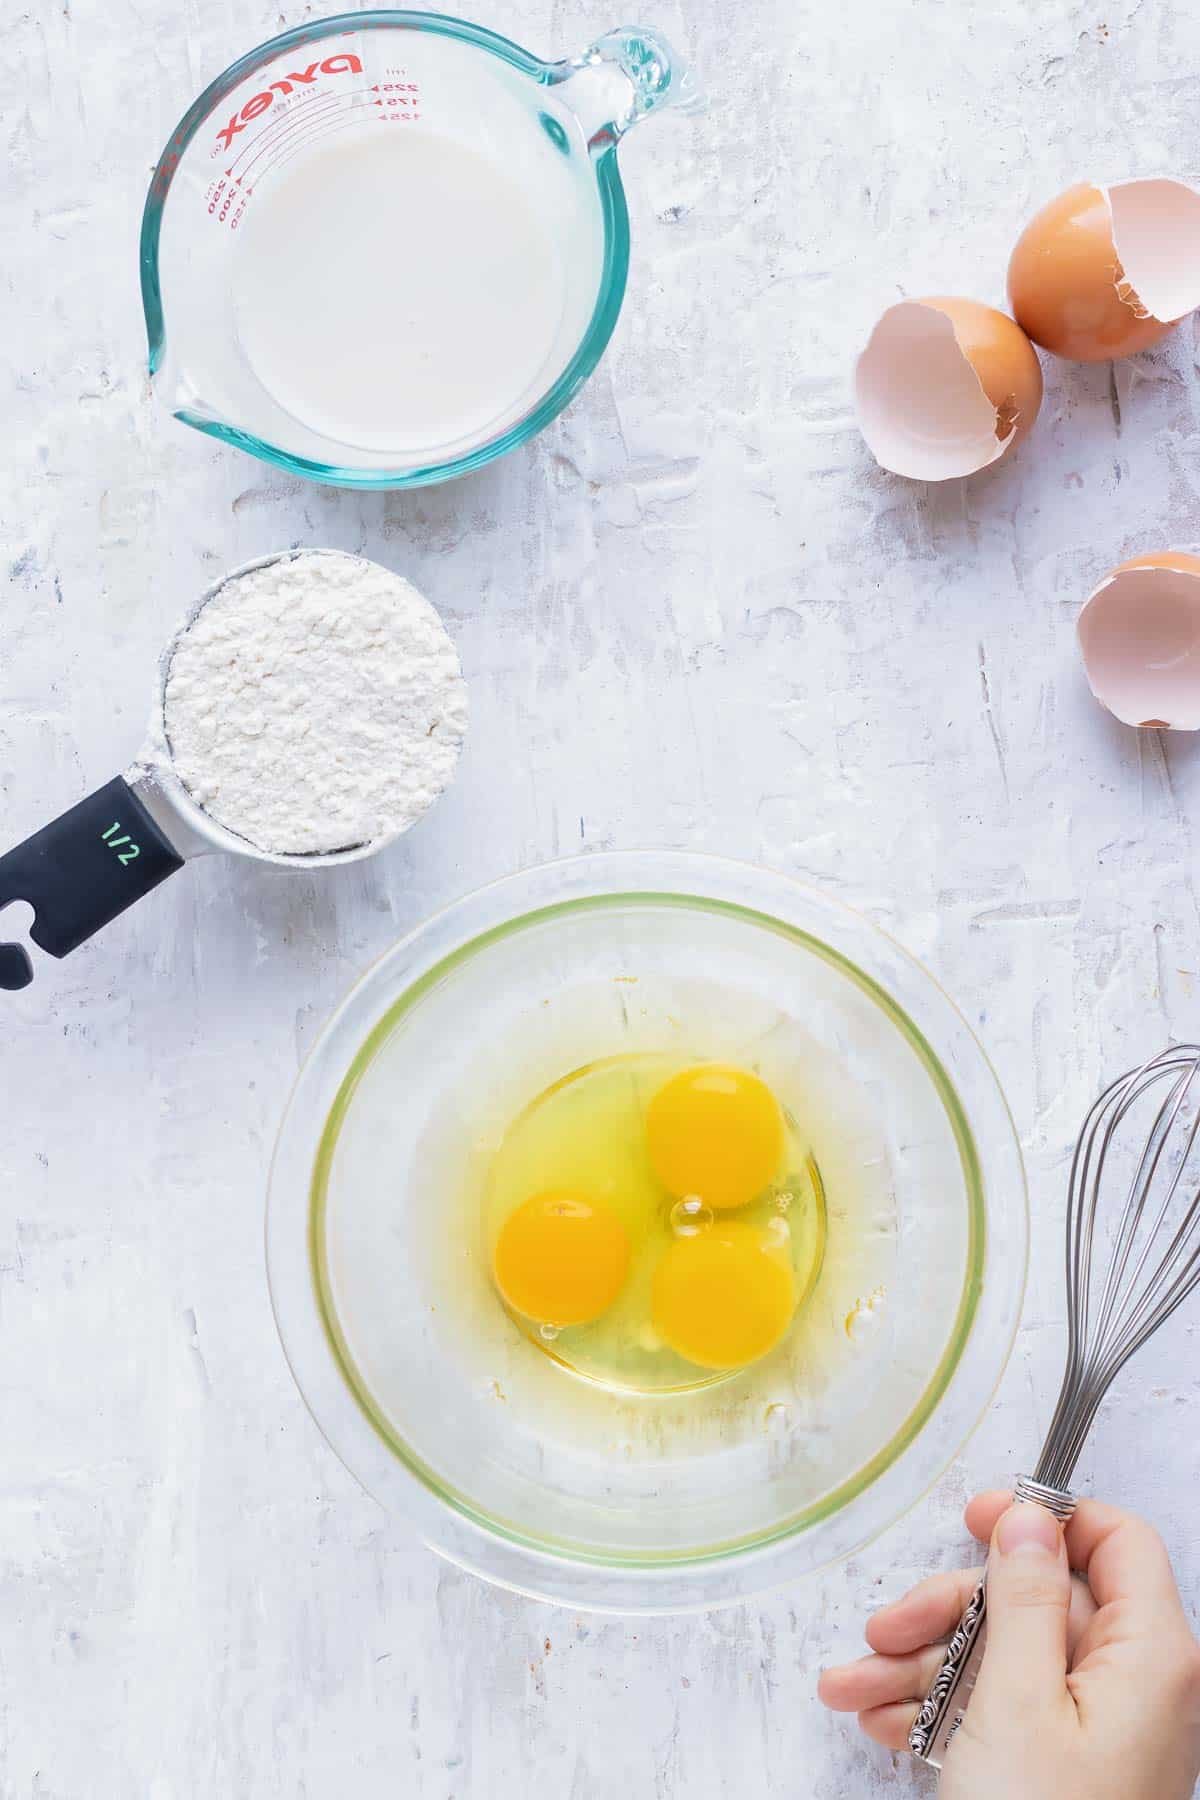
(80, 872)
(16, 965)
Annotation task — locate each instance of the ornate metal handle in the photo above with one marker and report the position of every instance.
(946, 1703)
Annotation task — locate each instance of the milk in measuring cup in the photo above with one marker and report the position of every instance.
(398, 291)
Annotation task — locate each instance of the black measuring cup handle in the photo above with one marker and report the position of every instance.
(79, 872)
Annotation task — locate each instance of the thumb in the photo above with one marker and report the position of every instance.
(1028, 1600)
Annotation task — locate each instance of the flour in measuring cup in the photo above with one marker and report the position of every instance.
(315, 703)
(398, 292)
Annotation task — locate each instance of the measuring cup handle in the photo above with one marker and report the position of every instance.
(79, 872)
(621, 78)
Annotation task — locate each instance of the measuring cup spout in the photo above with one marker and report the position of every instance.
(619, 79)
(174, 390)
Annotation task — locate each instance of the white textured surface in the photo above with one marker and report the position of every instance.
(693, 614)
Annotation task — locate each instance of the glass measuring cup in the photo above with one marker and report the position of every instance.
(547, 131)
(94, 861)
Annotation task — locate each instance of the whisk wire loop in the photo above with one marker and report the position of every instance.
(1154, 1260)
(1132, 1257)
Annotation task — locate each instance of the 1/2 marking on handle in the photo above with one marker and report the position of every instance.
(114, 843)
(71, 873)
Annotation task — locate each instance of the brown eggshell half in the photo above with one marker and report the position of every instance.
(1139, 633)
(1104, 272)
(945, 387)
(1004, 360)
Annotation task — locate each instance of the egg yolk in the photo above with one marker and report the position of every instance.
(723, 1298)
(561, 1259)
(717, 1133)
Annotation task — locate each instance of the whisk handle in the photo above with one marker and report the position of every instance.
(945, 1705)
(946, 1702)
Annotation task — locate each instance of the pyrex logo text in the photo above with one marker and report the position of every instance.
(344, 63)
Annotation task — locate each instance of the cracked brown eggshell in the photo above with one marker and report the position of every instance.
(1102, 272)
(1139, 633)
(945, 387)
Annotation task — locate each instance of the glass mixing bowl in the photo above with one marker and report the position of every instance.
(502, 1460)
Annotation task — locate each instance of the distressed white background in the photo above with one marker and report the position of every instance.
(692, 614)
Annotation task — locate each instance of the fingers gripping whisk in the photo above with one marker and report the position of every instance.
(1132, 1257)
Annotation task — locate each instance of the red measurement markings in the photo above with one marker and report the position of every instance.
(288, 141)
(297, 126)
(398, 100)
(294, 150)
(227, 202)
(221, 199)
(227, 199)
(341, 62)
(326, 107)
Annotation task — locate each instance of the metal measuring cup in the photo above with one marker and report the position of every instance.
(95, 860)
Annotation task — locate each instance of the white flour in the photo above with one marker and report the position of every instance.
(314, 704)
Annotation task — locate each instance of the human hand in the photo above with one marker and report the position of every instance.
(1090, 1685)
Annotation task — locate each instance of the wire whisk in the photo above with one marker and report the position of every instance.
(1132, 1257)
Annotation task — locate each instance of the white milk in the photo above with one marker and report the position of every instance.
(397, 291)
